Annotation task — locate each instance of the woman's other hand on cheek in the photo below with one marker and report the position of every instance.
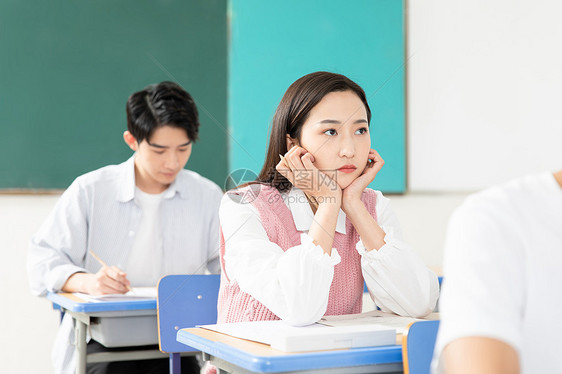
(352, 193)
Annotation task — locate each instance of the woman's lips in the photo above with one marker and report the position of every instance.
(347, 169)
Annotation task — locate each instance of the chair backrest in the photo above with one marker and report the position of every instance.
(185, 301)
(417, 346)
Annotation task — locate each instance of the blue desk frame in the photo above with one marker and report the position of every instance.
(83, 312)
(228, 357)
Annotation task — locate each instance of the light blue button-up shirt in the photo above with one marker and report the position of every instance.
(99, 212)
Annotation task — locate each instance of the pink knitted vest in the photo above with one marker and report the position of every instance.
(346, 290)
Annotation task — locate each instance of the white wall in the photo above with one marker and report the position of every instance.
(27, 324)
(485, 91)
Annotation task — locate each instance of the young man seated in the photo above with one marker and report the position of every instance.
(145, 218)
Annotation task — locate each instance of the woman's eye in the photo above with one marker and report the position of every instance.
(361, 131)
(159, 152)
(183, 149)
(330, 132)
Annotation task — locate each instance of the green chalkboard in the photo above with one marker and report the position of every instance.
(68, 67)
(277, 41)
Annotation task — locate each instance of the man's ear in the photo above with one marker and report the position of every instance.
(130, 140)
(291, 142)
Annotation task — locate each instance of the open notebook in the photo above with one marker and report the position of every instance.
(378, 317)
(313, 337)
(138, 293)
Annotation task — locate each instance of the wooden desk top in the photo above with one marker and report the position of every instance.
(74, 303)
(255, 348)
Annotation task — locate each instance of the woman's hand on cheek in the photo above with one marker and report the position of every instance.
(286, 166)
(297, 166)
(352, 193)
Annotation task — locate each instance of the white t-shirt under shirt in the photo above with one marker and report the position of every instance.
(503, 272)
(144, 265)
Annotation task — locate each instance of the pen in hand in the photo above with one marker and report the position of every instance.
(105, 265)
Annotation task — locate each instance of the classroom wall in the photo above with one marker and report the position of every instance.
(27, 324)
(484, 92)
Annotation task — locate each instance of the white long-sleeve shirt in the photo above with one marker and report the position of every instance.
(292, 284)
(100, 211)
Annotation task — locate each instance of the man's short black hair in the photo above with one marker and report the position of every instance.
(163, 104)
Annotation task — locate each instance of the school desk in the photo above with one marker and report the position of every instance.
(234, 355)
(87, 313)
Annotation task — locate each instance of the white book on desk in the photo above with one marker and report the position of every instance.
(284, 337)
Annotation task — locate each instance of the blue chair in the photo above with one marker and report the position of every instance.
(184, 301)
(417, 346)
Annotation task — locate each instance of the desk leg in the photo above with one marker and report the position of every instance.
(80, 347)
(175, 363)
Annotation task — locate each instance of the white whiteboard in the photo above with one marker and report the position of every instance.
(484, 92)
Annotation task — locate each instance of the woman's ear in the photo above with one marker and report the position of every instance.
(130, 140)
(290, 142)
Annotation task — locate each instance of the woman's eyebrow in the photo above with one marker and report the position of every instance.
(336, 122)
